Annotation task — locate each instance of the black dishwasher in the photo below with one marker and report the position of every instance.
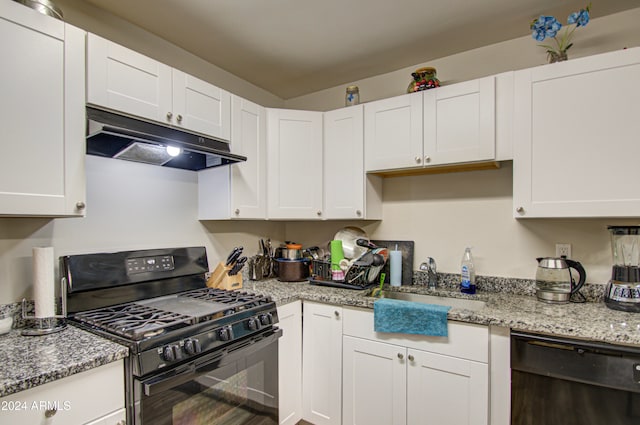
(557, 381)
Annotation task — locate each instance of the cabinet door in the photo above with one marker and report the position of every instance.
(459, 123)
(374, 383)
(447, 390)
(322, 366)
(290, 363)
(42, 115)
(249, 179)
(344, 178)
(123, 80)
(576, 138)
(294, 171)
(393, 133)
(69, 399)
(201, 107)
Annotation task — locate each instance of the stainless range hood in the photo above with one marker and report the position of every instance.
(118, 136)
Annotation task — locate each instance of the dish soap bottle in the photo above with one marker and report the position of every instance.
(468, 280)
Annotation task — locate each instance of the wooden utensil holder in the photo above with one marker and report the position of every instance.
(220, 278)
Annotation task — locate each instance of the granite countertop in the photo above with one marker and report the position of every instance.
(29, 361)
(588, 321)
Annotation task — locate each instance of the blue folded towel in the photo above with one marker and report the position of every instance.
(407, 317)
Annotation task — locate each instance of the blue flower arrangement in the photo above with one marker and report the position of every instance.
(549, 27)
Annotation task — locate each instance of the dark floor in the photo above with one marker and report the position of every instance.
(303, 422)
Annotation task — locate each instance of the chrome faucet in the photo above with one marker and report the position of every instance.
(429, 266)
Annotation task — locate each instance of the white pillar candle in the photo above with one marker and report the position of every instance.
(395, 266)
(43, 282)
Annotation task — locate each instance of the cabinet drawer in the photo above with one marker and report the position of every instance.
(466, 341)
(77, 399)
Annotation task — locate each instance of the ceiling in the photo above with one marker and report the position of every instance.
(295, 47)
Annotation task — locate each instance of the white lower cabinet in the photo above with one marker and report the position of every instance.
(322, 364)
(94, 397)
(290, 363)
(398, 379)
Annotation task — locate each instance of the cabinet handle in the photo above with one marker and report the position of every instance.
(418, 160)
(169, 116)
(410, 357)
(179, 118)
(520, 210)
(237, 211)
(358, 213)
(80, 205)
(336, 313)
(319, 213)
(400, 356)
(427, 159)
(50, 412)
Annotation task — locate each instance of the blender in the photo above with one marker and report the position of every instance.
(623, 290)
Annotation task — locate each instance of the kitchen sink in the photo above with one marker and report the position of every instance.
(462, 303)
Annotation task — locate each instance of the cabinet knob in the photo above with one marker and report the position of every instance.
(418, 160)
(179, 118)
(237, 211)
(427, 159)
(319, 213)
(336, 313)
(50, 412)
(169, 116)
(400, 356)
(410, 357)
(358, 213)
(80, 205)
(520, 210)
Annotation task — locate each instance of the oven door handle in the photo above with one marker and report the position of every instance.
(167, 381)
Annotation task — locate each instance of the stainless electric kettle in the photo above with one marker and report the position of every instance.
(554, 280)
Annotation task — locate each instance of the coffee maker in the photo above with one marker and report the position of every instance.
(623, 290)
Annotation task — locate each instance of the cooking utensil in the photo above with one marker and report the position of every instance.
(349, 235)
(292, 270)
(554, 282)
(366, 243)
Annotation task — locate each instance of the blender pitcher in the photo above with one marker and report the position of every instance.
(623, 290)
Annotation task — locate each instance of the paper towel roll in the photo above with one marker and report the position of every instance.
(43, 282)
(395, 266)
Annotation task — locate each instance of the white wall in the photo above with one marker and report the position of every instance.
(129, 206)
(604, 34)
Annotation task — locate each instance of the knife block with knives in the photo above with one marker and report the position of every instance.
(221, 279)
(227, 274)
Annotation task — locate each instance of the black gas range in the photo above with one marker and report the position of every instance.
(182, 336)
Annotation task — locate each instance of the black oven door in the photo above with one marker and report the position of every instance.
(237, 385)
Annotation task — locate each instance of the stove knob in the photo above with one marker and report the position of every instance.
(265, 319)
(168, 354)
(253, 324)
(177, 352)
(192, 346)
(225, 334)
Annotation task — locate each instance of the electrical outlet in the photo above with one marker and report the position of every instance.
(563, 250)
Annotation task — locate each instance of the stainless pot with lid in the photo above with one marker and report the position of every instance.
(46, 7)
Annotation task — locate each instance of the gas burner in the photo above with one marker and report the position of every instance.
(238, 301)
(134, 321)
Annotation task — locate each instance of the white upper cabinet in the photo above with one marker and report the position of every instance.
(240, 190)
(42, 115)
(576, 133)
(126, 81)
(448, 125)
(294, 158)
(459, 123)
(393, 133)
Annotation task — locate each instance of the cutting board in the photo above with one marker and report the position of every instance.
(406, 247)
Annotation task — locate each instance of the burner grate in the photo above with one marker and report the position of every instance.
(237, 301)
(134, 321)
